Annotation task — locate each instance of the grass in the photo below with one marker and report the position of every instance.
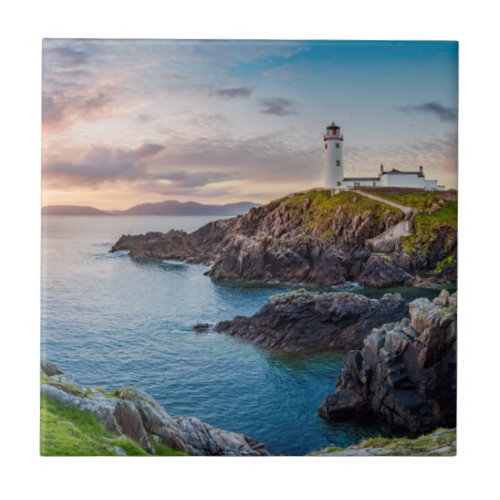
(426, 227)
(441, 442)
(447, 261)
(419, 199)
(319, 210)
(424, 445)
(66, 431)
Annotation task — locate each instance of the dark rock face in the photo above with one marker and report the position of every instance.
(302, 321)
(406, 372)
(380, 271)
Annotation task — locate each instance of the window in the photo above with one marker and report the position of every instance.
(337, 145)
(338, 163)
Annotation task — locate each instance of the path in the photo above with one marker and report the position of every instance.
(406, 210)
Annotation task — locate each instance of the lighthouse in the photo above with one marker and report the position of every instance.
(334, 163)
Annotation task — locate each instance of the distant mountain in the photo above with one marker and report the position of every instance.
(71, 210)
(171, 207)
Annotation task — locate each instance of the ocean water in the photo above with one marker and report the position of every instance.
(112, 321)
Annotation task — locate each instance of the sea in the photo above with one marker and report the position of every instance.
(112, 321)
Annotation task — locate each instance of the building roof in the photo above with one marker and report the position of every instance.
(400, 172)
(361, 179)
(332, 126)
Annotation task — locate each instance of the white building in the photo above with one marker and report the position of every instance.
(334, 169)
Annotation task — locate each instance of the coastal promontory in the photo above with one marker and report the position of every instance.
(323, 238)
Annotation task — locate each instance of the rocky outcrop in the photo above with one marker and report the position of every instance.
(137, 415)
(380, 271)
(311, 238)
(405, 373)
(304, 321)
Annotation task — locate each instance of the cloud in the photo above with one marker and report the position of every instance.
(234, 92)
(186, 163)
(184, 179)
(99, 165)
(444, 113)
(60, 107)
(278, 106)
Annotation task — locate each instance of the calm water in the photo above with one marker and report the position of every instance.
(112, 321)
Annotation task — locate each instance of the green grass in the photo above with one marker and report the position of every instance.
(447, 261)
(425, 445)
(414, 198)
(319, 210)
(66, 431)
(70, 432)
(425, 228)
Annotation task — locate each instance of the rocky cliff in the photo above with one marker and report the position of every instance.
(315, 237)
(405, 374)
(303, 321)
(137, 416)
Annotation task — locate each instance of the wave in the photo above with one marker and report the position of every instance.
(346, 286)
(113, 255)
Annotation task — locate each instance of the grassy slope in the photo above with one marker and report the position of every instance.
(67, 431)
(324, 208)
(425, 224)
(441, 442)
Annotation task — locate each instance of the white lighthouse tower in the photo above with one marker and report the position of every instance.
(334, 163)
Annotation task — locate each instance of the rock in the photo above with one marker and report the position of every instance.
(188, 433)
(201, 327)
(443, 298)
(405, 375)
(129, 420)
(207, 440)
(303, 321)
(49, 369)
(379, 271)
(155, 419)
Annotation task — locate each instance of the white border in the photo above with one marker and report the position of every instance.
(24, 24)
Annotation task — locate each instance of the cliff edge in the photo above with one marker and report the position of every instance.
(320, 238)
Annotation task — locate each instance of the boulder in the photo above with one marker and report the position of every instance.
(49, 369)
(406, 372)
(380, 271)
(129, 421)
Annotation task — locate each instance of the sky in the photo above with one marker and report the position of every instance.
(133, 121)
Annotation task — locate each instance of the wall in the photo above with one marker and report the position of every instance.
(334, 173)
(403, 180)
